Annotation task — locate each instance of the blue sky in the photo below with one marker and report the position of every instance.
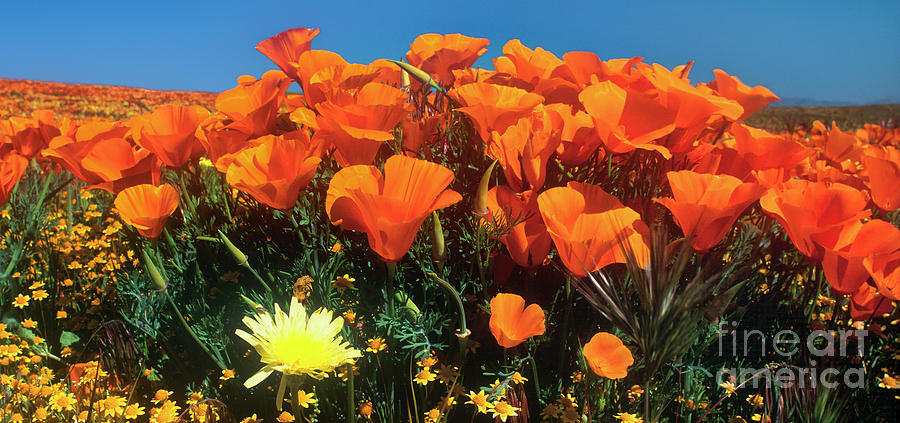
(823, 50)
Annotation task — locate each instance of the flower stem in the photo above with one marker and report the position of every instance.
(190, 331)
(351, 401)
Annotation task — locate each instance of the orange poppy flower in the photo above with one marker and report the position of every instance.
(863, 250)
(524, 148)
(512, 323)
(340, 83)
(584, 68)
(389, 207)
(626, 119)
(706, 206)
(751, 99)
(578, 139)
(535, 68)
(310, 63)
(358, 127)
(440, 54)
(494, 107)
(11, 169)
(170, 133)
(883, 168)
(764, 150)
(146, 207)
(607, 356)
(286, 47)
(30, 135)
(528, 242)
(866, 303)
(587, 226)
(813, 214)
(275, 170)
(253, 105)
(111, 164)
(839, 146)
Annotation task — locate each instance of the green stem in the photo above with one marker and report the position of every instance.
(190, 331)
(391, 273)
(258, 278)
(187, 197)
(351, 401)
(567, 316)
(463, 333)
(32, 222)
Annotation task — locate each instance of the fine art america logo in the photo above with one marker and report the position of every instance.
(819, 344)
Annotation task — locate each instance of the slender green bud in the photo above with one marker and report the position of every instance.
(238, 255)
(158, 281)
(438, 249)
(480, 205)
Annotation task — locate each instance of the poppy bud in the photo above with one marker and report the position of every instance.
(417, 73)
(480, 205)
(404, 80)
(155, 276)
(438, 249)
(407, 303)
(238, 255)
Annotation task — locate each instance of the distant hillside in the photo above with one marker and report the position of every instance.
(80, 101)
(20, 97)
(779, 118)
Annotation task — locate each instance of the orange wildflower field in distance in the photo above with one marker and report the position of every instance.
(566, 238)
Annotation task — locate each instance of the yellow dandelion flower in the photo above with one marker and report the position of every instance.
(503, 410)
(304, 399)
(297, 344)
(376, 345)
(21, 301)
(423, 377)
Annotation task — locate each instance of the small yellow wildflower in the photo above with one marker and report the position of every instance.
(479, 400)
(350, 316)
(503, 410)
(729, 387)
(341, 283)
(432, 416)
(305, 399)
(62, 401)
(423, 377)
(755, 400)
(161, 395)
(428, 362)
(227, 374)
(61, 314)
(517, 379)
(133, 411)
(285, 417)
(28, 323)
(21, 301)
(376, 345)
(365, 409)
(113, 405)
(629, 418)
(39, 294)
(252, 419)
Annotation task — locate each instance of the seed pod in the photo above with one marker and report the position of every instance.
(480, 206)
(438, 249)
